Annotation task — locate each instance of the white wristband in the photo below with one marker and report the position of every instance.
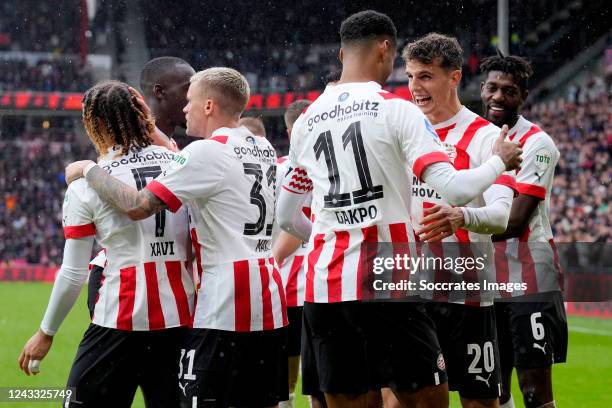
(88, 167)
(497, 163)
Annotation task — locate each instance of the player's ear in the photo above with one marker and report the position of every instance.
(159, 92)
(209, 107)
(525, 94)
(456, 76)
(341, 55)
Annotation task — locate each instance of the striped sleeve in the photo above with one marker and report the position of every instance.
(77, 218)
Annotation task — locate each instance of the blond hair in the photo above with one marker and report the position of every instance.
(226, 86)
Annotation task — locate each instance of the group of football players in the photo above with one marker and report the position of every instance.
(222, 263)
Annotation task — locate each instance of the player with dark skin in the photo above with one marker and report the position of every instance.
(503, 95)
(164, 82)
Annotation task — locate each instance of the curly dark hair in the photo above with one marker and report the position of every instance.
(367, 25)
(518, 67)
(114, 114)
(435, 46)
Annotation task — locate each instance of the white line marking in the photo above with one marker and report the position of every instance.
(586, 330)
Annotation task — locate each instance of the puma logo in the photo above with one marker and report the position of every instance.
(183, 387)
(537, 346)
(539, 176)
(484, 380)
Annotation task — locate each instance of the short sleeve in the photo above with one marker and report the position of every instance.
(418, 140)
(297, 135)
(77, 218)
(540, 157)
(195, 173)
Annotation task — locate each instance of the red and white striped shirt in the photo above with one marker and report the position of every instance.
(468, 140)
(292, 270)
(228, 181)
(146, 284)
(352, 147)
(532, 258)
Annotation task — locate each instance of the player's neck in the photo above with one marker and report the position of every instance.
(512, 122)
(165, 127)
(220, 122)
(357, 71)
(445, 112)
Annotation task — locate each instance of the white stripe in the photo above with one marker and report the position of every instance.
(194, 402)
(437, 378)
(586, 330)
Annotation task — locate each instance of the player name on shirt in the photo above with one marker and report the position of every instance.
(352, 148)
(228, 181)
(146, 284)
(468, 141)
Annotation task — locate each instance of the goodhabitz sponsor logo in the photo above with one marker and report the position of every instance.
(255, 151)
(139, 157)
(357, 108)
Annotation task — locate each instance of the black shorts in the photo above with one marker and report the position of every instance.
(294, 342)
(110, 364)
(93, 287)
(362, 346)
(310, 376)
(533, 334)
(469, 344)
(223, 368)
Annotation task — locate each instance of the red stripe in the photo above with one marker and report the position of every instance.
(266, 296)
(369, 249)
(427, 159)
(508, 181)
(532, 131)
(156, 315)
(502, 271)
(281, 293)
(389, 95)
(334, 268)
(79, 231)
(197, 249)
(163, 193)
(242, 296)
(292, 280)
(313, 258)
(281, 160)
(532, 190)
(127, 291)
(220, 139)
(180, 295)
(440, 274)
(443, 132)
(462, 161)
(528, 273)
(399, 238)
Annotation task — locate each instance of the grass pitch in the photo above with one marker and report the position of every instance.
(582, 382)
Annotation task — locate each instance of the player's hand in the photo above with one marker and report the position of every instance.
(74, 171)
(509, 152)
(440, 222)
(34, 350)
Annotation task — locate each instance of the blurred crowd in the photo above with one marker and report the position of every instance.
(45, 75)
(32, 183)
(31, 189)
(580, 125)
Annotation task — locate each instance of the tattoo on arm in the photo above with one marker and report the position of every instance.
(135, 204)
